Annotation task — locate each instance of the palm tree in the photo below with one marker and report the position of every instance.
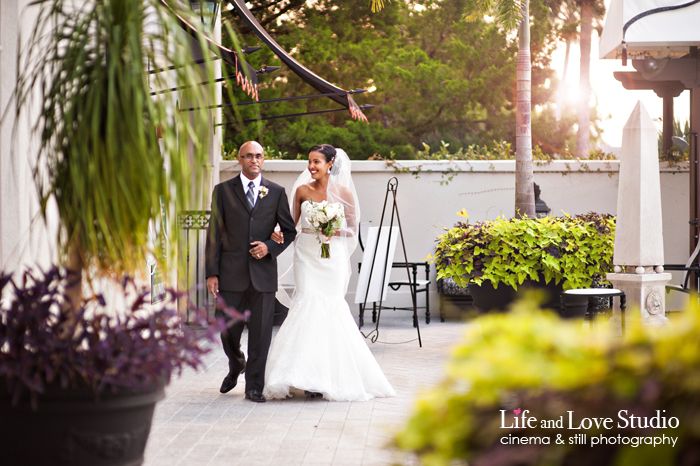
(566, 18)
(584, 122)
(524, 173)
(509, 14)
(591, 11)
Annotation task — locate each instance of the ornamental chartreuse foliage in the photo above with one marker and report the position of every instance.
(569, 370)
(574, 251)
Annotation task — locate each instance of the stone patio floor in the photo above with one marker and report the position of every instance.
(196, 425)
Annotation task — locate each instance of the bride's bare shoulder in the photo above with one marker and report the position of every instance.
(303, 191)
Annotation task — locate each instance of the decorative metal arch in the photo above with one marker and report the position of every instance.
(246, 76)
(332, 91)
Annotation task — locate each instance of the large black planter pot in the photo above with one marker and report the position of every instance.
(573, 307)
(488, 298)
(455, 301)
(70, 427)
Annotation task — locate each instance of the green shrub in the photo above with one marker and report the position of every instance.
(529, 360)
(497, 150)
(574, 250)
(360, 140)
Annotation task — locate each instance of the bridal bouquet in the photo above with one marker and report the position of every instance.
(326, 218)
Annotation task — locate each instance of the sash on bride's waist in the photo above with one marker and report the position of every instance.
(312, 231)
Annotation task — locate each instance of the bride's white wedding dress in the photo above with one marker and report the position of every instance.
(318, 347)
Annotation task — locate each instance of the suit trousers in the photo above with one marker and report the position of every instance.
(259, 323)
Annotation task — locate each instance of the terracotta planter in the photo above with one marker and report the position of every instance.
(71, 427)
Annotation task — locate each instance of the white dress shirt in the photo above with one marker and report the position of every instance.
(256, 189)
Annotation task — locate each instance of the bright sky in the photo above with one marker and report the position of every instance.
(614, 102)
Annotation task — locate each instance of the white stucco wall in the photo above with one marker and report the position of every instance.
(23, 238)
(486, 190)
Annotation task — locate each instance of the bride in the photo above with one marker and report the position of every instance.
(318, 348)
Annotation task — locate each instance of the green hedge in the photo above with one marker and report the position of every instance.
(574, 250)
(498, 150)
(529, 360)
(360, 135)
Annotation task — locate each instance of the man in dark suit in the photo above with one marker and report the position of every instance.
(241, 262)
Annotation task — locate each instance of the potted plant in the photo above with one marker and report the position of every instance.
(529, 364)
(83, 386)
(495, 258)
(111, 158)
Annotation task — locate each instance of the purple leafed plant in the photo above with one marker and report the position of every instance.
(101, 347)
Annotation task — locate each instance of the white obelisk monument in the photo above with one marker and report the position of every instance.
(639, 244)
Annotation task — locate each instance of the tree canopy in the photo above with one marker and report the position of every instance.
(436, 71)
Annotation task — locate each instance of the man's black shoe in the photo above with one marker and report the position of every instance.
(255, 395)
(229, 383)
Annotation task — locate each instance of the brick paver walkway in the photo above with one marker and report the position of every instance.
(196, 425)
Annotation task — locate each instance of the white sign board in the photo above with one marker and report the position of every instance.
(382, 265)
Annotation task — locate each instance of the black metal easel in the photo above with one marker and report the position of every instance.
(391, 187)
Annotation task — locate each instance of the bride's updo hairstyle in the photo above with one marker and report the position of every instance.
(328, 152)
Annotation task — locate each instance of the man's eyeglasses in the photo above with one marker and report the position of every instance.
(257, 157)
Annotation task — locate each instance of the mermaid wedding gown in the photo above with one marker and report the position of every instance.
(318, 348)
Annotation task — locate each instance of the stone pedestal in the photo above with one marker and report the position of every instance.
(646, 292)
(639, 244)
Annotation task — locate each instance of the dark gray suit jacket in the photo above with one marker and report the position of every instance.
(233, 226)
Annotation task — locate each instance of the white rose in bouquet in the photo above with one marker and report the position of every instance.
(326, 218)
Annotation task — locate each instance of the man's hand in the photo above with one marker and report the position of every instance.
(213, 285)
(277, 237)
(258, 249)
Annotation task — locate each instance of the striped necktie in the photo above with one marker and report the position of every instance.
(250, 194)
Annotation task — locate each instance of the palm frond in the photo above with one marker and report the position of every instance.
(509, 13)
(376, 5)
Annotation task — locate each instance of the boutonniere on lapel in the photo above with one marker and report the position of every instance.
(263, 192)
